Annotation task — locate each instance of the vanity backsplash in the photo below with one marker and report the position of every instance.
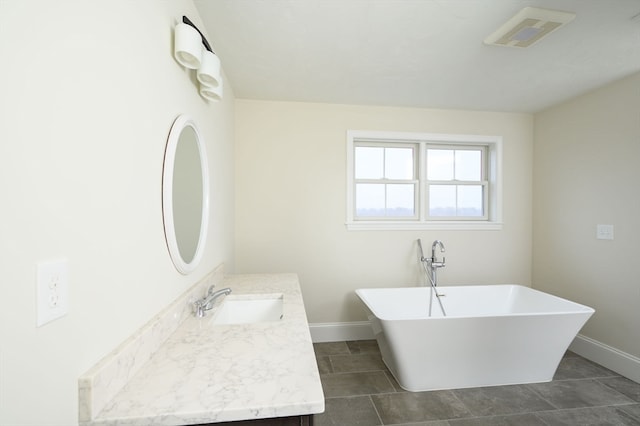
(103, 381)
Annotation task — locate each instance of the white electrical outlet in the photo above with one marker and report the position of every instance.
(604, 232)
(52, 291)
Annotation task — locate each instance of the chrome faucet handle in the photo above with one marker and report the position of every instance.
(435, 263)
(199, 308)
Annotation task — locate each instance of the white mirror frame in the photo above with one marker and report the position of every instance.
(182, 265)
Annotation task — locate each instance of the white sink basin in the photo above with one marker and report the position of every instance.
(252, 308)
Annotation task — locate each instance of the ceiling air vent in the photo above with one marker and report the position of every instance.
(528, 26)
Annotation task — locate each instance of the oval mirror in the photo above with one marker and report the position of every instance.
(185, 194)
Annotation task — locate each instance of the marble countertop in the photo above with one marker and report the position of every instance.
(205, 373)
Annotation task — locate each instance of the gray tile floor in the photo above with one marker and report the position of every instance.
(360, 390)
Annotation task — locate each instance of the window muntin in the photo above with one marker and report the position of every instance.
(456, 182)
(385, 181)
(463, 171)
(384, 162)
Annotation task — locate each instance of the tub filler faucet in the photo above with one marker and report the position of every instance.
(205, 304)
(434, 258)
(433, 261)
(430, 266)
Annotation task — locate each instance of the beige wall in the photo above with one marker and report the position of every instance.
(586, 172)
(290, 203)
(88, 92)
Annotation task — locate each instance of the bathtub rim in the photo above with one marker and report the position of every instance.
(580, 308)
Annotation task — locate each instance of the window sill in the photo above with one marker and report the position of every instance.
(423, 226)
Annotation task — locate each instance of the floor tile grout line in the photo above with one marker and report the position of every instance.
(375, 409)
(466, 407)
(616, 391)
(557, 410)
(594, 380)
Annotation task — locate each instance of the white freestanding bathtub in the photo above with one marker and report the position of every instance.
(491, 335)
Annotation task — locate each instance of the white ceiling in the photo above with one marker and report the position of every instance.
(417, 53)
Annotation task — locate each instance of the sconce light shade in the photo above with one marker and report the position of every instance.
(188, 46)
(192, 50)
(209, 71)
(211, 93)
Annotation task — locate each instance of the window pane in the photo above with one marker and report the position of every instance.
(370, 199)
(469, 165)
(369, 162)
(470, 200)
(398, 163)
(400, 200)
(440, 164)
(442, 200)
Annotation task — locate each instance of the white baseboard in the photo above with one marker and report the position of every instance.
(340, 331)
(607, 356)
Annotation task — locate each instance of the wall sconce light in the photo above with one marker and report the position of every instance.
(192, 51)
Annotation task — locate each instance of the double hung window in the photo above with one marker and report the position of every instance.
(423, 181)
(456, 182)
(386, 180)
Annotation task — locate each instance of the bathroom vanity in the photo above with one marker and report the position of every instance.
(213, 369)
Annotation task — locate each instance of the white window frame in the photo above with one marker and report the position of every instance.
(484, 181)
(493, 144)
(415, 180)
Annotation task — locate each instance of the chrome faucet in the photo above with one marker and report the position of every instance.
(434, 263)
(205, 304)
(430, 266)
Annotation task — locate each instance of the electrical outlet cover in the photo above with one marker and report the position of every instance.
(52, 291)
(604, 232)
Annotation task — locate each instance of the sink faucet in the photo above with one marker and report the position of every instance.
(201, 306)
(434, 263)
